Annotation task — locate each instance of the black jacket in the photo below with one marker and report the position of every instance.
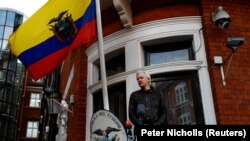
(146, 108)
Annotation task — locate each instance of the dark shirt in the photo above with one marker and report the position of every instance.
(146, 108)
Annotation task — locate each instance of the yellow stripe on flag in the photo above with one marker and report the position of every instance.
(37, 28)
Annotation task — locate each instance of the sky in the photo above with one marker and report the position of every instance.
(28, 7)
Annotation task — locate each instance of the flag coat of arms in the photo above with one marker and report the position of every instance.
(43, 41)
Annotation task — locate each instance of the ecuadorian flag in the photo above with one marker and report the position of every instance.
(43, 41)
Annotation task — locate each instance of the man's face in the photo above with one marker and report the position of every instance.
(142, 80)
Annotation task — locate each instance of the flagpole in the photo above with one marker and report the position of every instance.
(101, 55)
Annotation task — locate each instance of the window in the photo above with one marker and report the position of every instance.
(11, 129)
(2, 76)
(169, 52)
(180, 89)
(7, 32)
(32, 129)
(18, 21)
(181, 94)
(9, 22)
(10, 18)
(98, 101)
(35, 100)
(5, 46)
(2, 17)
(117, 100)
(185, 119)
(6, 96)
(114, 63)
(1, 31)
(38, 81)
(3, 127)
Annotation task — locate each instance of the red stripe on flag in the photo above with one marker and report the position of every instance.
(86, 34)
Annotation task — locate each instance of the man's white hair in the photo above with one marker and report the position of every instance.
(146, 74)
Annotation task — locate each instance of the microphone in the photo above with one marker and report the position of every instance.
(141, 112)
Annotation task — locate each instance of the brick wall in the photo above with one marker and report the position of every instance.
(153, 13)
(78, 88)
(232, 101)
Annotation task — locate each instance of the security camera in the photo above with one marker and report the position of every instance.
(235, 42)
(221, 18)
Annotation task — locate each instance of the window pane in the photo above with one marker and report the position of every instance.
(35, 100)
(115, 63)
(1, 31)
(181, 92)
(4, 60)
(3, 127)
(38, 103)
(1, 47)
(12, 62)
(2, 75)
(98, 101)
(29, 132)
(5, 46)
(184, 107)
(11, 129)
(37, 96)
(169, 52)
(33, 96)
(166, 57)
(35, 125)
(13, 109)
(8, 95)
(34, 133)
(18, 21)
(10, 18)
(2, 17)
(5, 108)
(11, 76)
(30, 124)
(32, 103)
(117, 100)
(7, 32)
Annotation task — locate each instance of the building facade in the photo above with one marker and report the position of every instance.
(40, 106)
(30, 109)
(176, 42)
(27, 107)
(12, 75)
